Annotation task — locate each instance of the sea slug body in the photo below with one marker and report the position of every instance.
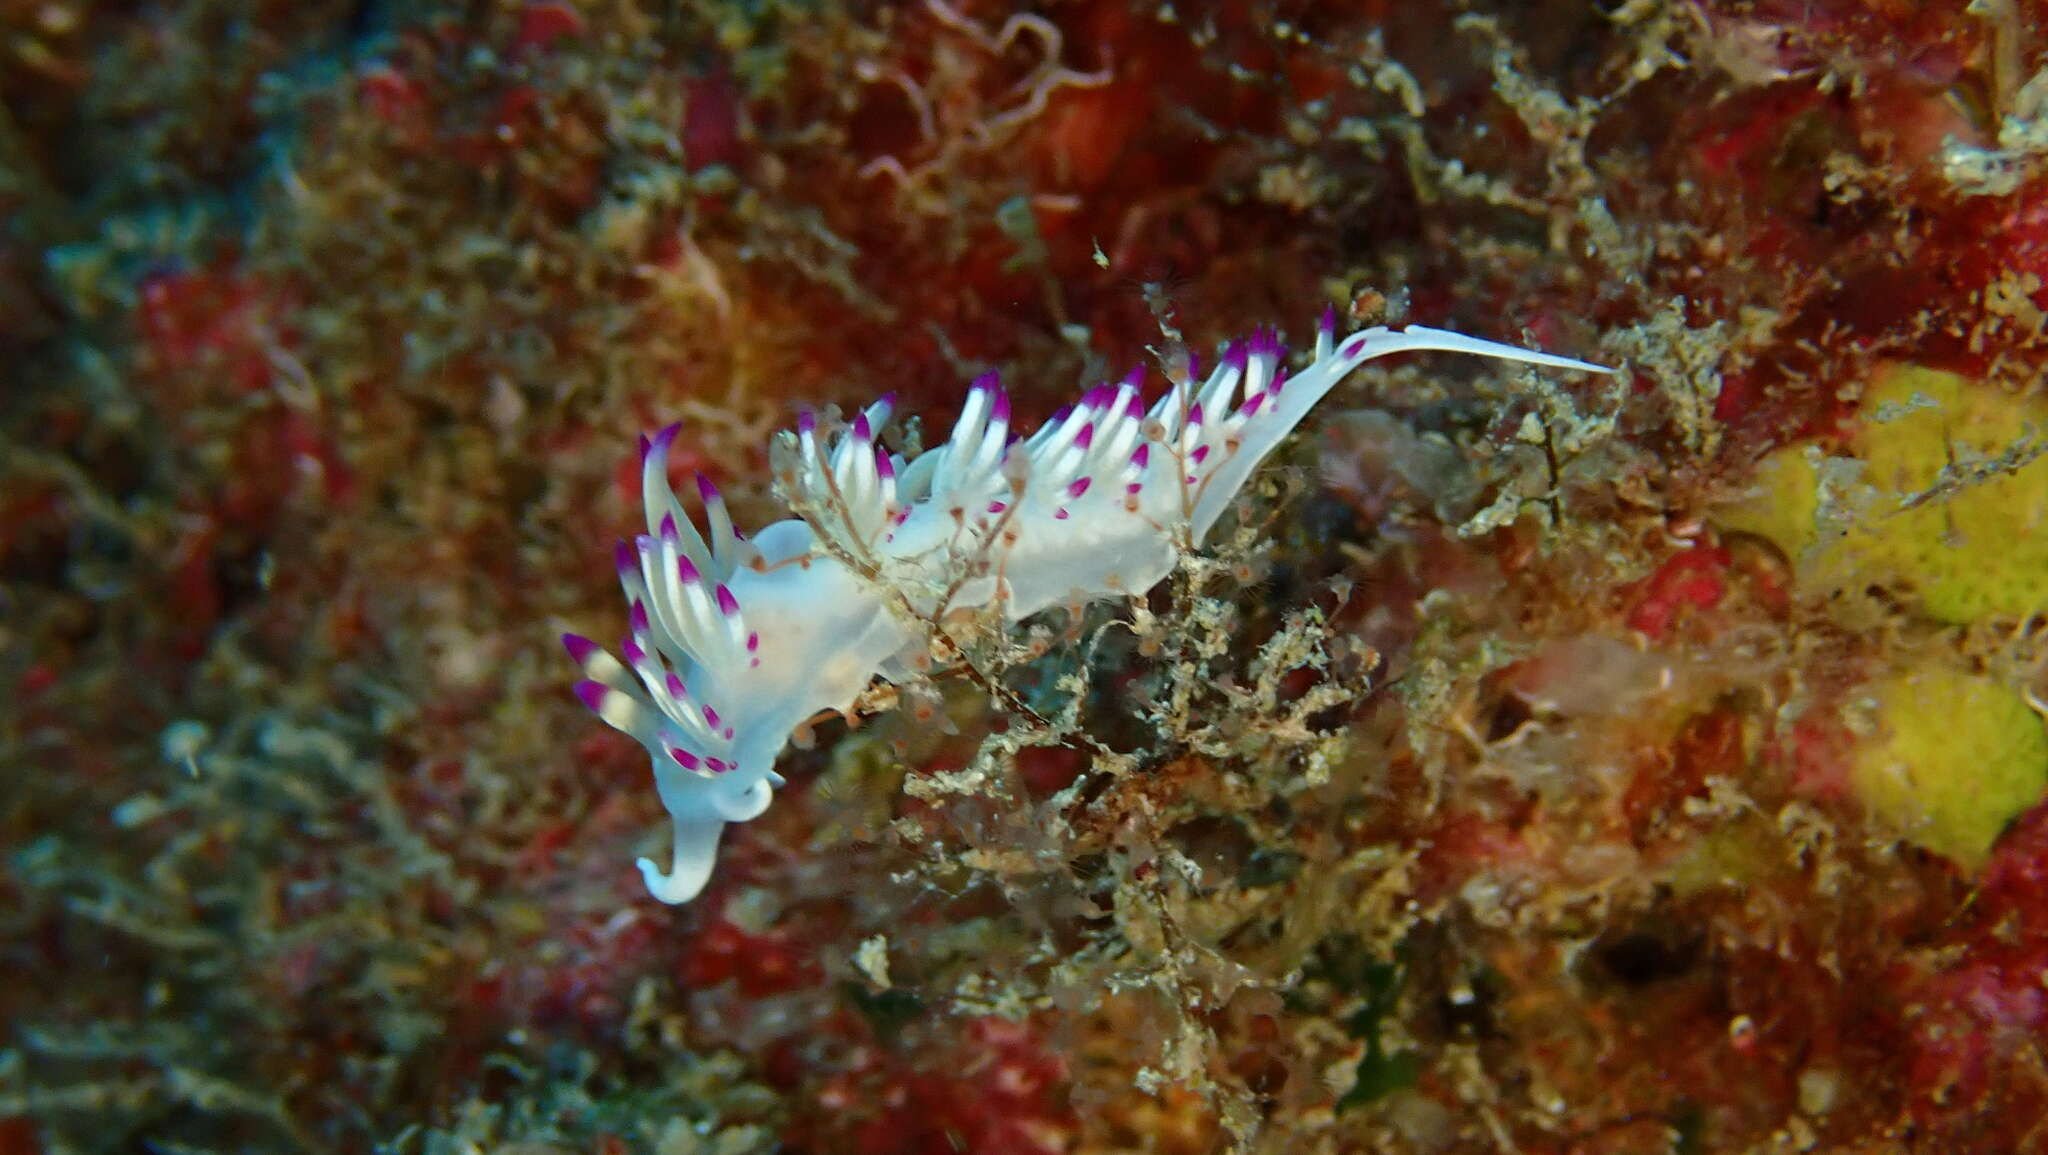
(734, 643)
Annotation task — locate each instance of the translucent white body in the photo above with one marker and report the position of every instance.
(733, 643)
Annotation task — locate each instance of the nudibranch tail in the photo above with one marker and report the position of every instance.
(732, 644)
(1262, 426)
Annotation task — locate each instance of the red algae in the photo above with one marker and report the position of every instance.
(1489, 788)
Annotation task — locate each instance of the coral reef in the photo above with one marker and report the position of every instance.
(1528, 762)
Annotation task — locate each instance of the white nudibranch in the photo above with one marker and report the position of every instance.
(733, 644)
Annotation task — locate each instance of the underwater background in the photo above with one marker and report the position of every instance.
(1543, 763)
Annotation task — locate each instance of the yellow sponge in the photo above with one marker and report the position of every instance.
(1979, 551)
(1953, 759)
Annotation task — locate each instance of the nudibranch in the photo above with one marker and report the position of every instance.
(733, 643)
